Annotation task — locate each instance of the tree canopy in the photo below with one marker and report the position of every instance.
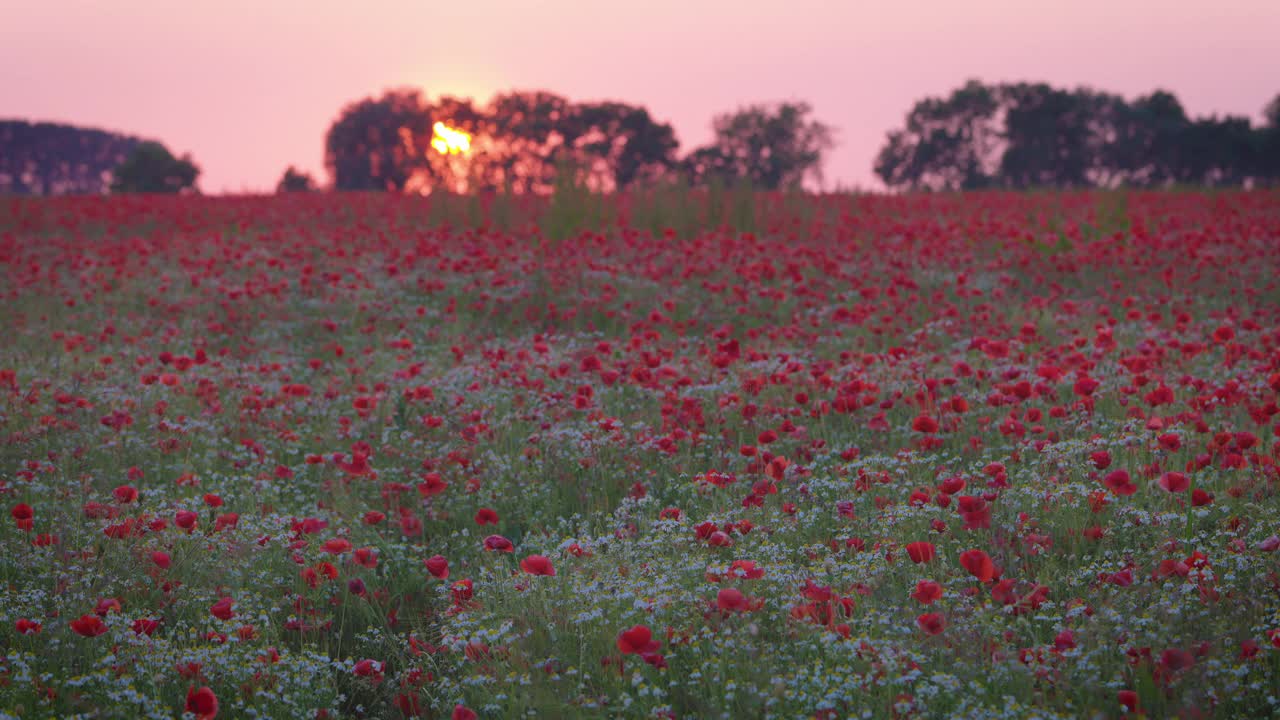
(370, 145)
(1025, 135)
(151, 168)
(295, 180)
(516, 143)
(54, 159)
(770, 146)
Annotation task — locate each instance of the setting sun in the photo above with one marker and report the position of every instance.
(449, 141)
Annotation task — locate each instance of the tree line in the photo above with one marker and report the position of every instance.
(56, 159)
(523, 141)
(980, 136)
(1024, 135)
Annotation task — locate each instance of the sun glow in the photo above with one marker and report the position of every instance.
(448, 141)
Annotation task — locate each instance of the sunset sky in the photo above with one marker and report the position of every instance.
(250, 86)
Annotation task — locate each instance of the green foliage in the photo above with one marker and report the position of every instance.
(667, 206)
(574, 207)
(151, 168)
(732, 204)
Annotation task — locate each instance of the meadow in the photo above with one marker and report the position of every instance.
(672, 455)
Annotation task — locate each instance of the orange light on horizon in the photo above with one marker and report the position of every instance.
(449, 141)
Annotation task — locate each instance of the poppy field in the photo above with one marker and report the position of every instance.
(707, 456)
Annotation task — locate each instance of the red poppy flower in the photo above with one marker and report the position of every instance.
(924, 424)
(371, 669)
(979, 564)
(975, 511)
(1174, 482)
(746, 569)
(125, 494)
(336, 546)
(719, 538)
(1118, 482)
(927, 592)
(931, 623)
(438, 566)
(106, 606)
(537, 565)
(1101, 459)
(486, 516)
(1085, 386)
(462, 712)
(498, 543)
(1175, 659)
(202, 703)
(731, 600)
(88, 626)
(24, 516)
(186, 520)
(366, 557)
(921, 552)
(222, 609)
(1065, 640)
(637, 640)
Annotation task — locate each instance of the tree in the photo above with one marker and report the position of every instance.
(626, 144)
(523, 139)
(1151, 129)
(295, 180)
(519, 141)
(379, 143)
(53, 159)
(1217, 152)
(1269, 142)
(770, 146)
(528, 133)
(948, 144)
(1033, 135)
(151, 168)
(1046, 137)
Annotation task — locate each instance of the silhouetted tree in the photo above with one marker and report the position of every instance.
(709, 164)
(378, 143)
(530, 129)
(1032, 135)
(1217, 152)
(295, 180)
(770, 146)
(624, 141)
(519, 140)
(54, 159)
(948, 144)
(1046, 137)
(151, 168)
(476, 170)
(1153, 127)
(1269, 143)
(523, 139)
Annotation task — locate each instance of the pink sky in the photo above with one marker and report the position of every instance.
(250, 86)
